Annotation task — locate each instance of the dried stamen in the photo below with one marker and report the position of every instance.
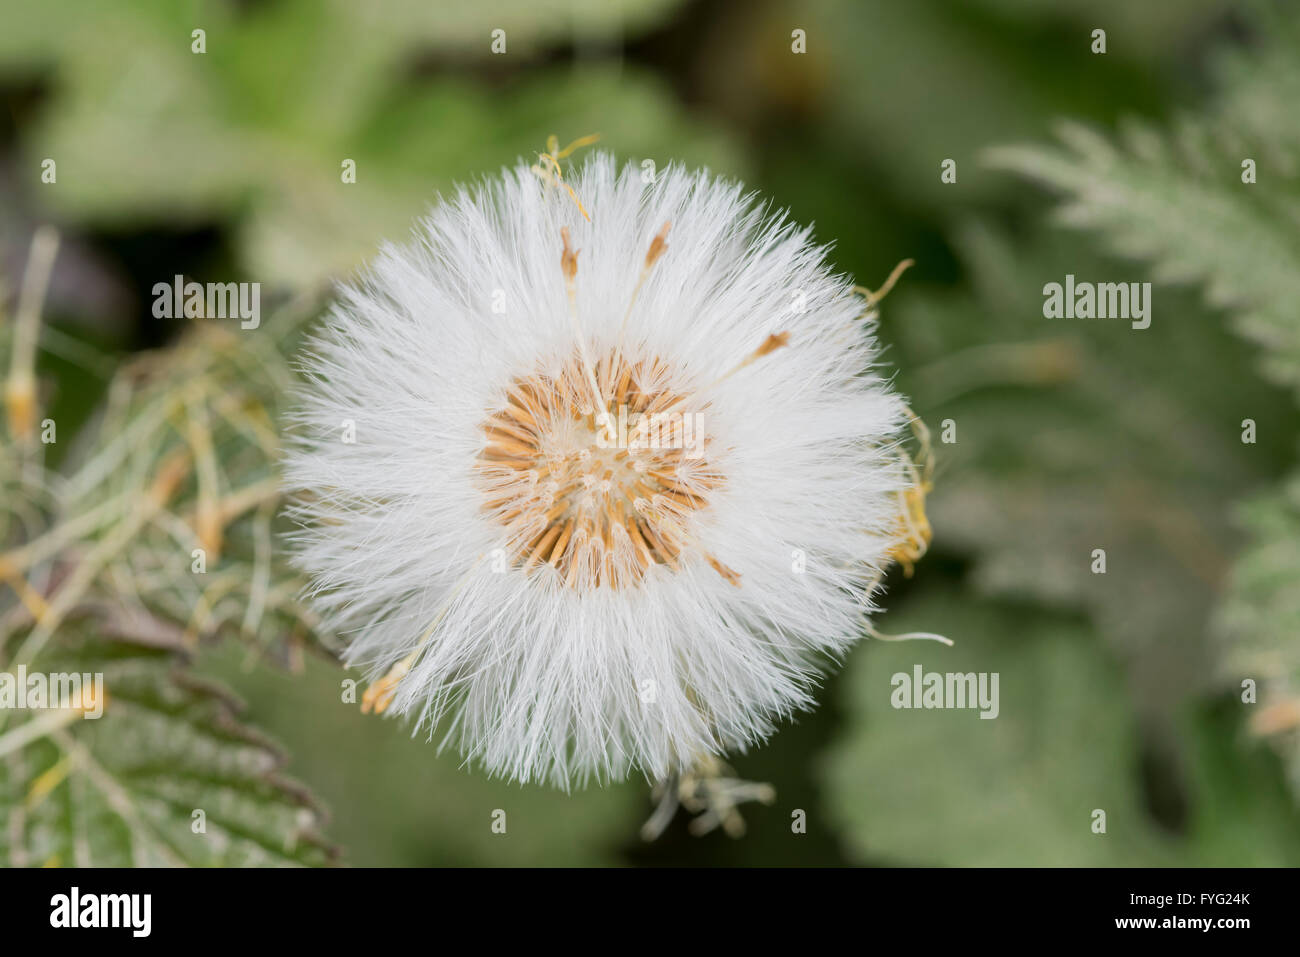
(597, 495)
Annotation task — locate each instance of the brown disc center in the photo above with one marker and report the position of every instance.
(599, 498)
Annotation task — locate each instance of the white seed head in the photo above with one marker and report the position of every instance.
(647, 433)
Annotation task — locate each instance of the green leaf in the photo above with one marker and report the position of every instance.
(465, 26)
(903, 87)
(396, 801)
(1076, 435)
(57, 29)
(1259, 620)
(256, 130)
(947, 787)
(127, 789)
(1177, 199)
(165, 523)
(418, 144)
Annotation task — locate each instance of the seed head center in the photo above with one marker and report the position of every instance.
(599, 494)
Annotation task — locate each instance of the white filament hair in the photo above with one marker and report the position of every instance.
(523, 675)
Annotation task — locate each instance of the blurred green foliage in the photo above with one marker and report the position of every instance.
(174, 472)
(1119, 691)
(1216, 204)
(1022, 789)
(255, 131)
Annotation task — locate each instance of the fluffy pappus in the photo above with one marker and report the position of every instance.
(593, 495)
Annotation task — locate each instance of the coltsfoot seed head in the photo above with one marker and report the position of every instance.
(594, 495)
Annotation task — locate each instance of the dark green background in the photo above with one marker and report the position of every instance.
(1116, 692)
